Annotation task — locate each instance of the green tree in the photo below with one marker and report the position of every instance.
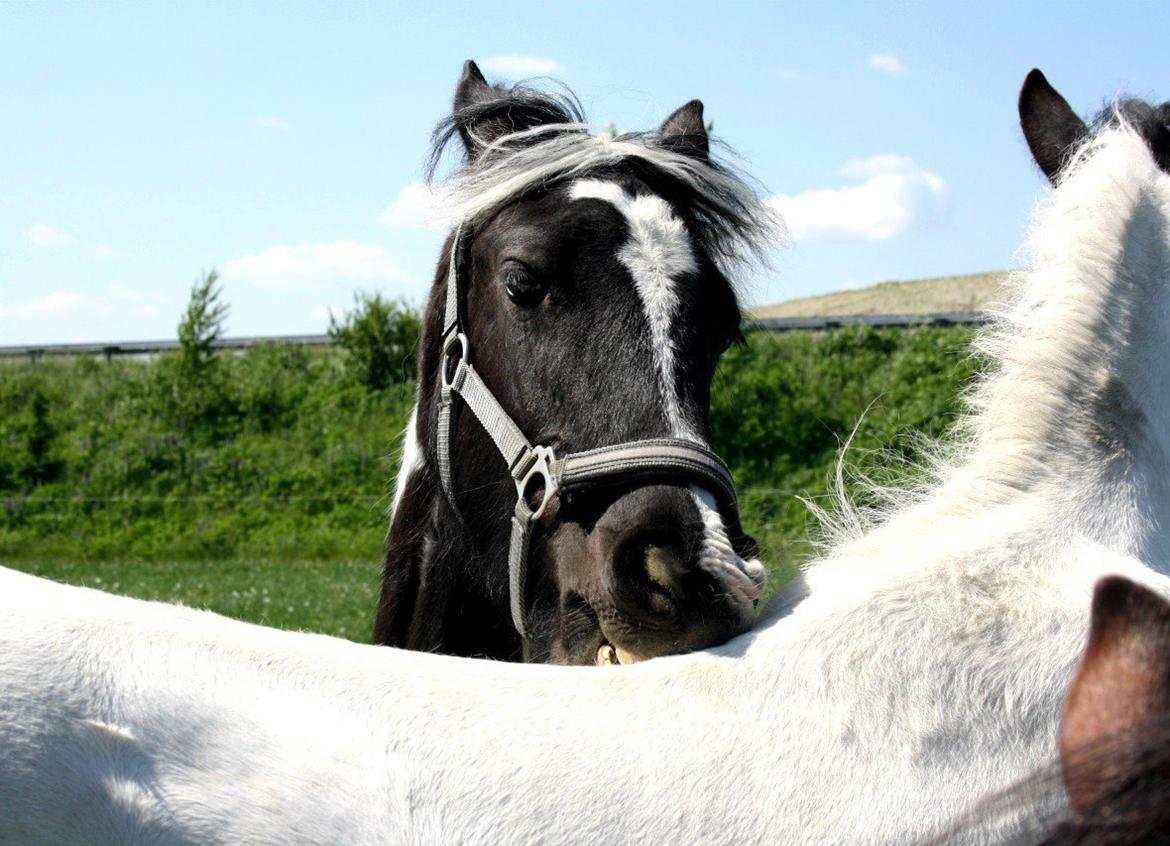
(196, 390)
(379, 338)
(202, 323)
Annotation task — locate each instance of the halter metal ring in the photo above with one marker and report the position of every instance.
(538, 462)
(448, 378)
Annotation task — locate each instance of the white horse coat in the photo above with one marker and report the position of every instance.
(918, 665)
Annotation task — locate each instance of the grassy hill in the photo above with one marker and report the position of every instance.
(969, 292)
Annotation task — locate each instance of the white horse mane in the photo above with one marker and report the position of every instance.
(919, 666)
(1078, 214)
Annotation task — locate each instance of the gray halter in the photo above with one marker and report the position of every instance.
(672, 458)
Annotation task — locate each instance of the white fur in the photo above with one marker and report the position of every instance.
(919, 665)
(657, 253)
(412, 460)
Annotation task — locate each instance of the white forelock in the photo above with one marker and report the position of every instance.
(536, 158)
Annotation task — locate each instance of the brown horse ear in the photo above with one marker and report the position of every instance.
(1123, 683)
(684, 132)
(1051, 128)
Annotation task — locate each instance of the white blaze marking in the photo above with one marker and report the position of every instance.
(658, 252)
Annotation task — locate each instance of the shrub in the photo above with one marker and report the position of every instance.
(379, 338)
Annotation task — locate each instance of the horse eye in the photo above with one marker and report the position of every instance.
(523, 287)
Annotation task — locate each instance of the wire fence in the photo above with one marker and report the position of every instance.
(112, 349)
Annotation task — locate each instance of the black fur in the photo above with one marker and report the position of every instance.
(1052, 129)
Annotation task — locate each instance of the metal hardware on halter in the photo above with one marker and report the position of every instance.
(660, 458)
(448, 343)
(539, 462)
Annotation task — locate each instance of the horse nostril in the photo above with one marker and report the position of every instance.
(649, 573)
(661, 563)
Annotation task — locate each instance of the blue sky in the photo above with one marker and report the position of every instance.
(279, 143)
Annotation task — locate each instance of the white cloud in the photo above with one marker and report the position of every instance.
(516, 66)
(787, 74)
(887, 63)
(103, 252)
(895, 196)
(129, 295)
(314, 266)
(63, 316)
(56, 304)
(271, 122)
(418, 206)
(121, 292)
(868, 167)
(43, 235)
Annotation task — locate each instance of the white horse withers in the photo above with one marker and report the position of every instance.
(916, 666)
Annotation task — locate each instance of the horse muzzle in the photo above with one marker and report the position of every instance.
(663, 576)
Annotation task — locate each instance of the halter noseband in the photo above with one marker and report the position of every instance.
(655, 459)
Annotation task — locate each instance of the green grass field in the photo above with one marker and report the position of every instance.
(331, 597)
(336, 598)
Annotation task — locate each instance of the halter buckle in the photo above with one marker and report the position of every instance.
(539, 461)
(449, 367)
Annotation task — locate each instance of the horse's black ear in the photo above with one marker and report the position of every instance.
(475, 129)
(472, 87)
(684, 131)
(1050, 126)
(1122, 685)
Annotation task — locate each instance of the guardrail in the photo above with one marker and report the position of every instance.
(771, 324)
(118, 348)
(835, 321)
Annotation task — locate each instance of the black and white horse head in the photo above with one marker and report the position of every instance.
(597, 304)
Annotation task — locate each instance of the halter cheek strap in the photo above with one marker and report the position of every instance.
(659, 459)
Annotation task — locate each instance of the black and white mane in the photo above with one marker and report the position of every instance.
(547, 142)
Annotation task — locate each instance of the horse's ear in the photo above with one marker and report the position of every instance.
(475, 129)
(1122, 685)
(472, 87)
(684, 132)
(1050, 126)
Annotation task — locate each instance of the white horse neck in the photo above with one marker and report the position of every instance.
(1078, 407)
